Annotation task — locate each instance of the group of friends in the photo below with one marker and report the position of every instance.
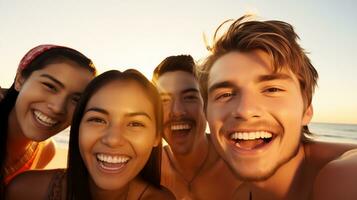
(132, 138)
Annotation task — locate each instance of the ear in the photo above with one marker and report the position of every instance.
(157, 140)
(19, 81)
(309, 112)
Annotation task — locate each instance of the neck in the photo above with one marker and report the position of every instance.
(195, 157)
(290, 181)
(190, 165)
(17, 143)
(98, 193)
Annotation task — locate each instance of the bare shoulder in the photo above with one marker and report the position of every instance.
(48, 151)
(320, 152)
(33, 184)
(155, 193)
(338, 179)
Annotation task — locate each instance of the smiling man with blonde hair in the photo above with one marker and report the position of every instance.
(257, 85)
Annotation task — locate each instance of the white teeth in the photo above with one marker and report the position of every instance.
(179, 127)
(112, 159)
(45, 119)
(250, 135)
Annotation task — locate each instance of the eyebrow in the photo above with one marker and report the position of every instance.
(276, 76)
(263, 78)
(182, 92)
(96, 109)
(190, 90)
(131, 114)
(53, 79)
(223, 84)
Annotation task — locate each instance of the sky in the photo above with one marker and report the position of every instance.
(121, 34)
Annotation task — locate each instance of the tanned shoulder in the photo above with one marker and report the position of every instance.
(338, 179)
(31, 184)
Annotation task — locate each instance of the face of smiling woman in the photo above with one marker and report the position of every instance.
(117, 133)
(47, 99)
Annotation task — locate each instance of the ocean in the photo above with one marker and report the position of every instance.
(322, 131)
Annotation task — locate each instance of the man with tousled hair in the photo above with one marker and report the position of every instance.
(191, 168)
(257, 85)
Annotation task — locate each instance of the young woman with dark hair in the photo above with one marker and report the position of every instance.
(114, 149)
(39, 104)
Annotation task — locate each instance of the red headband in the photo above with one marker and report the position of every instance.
(34, 53)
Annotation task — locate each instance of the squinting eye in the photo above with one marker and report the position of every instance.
(136, 124)
(273, 89)
(75, 100)
(165, 100)
(224, 96)
(50, 86)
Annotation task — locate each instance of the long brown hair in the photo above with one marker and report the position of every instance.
(78, 175)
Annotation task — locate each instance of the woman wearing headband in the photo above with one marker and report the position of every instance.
(38, 105)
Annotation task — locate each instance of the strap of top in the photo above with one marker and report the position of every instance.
(142, 193)
(55, 187)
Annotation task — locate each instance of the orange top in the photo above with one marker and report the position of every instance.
(12, 172)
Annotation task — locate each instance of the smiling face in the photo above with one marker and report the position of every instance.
(184, 121)
(255, 115)
(47, 99)
(117, 134)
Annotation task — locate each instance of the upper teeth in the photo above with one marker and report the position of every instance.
(112, 159)
(44, 118)
(176, 127)
(250, 135)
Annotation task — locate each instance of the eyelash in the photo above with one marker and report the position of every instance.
(96, 120)
(50, 86)
(136, 124)
(224, 95)
(273, 90)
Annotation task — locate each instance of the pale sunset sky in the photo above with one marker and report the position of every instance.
(120, 34)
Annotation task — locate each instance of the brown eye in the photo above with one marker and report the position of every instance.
(96, 120)
(136, 124)
(50, 87)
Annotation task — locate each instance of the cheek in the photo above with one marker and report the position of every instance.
(86, 140)
(144, 143)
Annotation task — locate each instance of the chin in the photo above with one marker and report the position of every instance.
(254, 176)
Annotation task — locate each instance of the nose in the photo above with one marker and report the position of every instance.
(113, 136)
(177, 109)
(58, 104)
(247, 106)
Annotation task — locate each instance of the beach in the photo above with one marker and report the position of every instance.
(332, 132)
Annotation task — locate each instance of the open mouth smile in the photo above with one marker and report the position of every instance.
(180, 128)
(112, 163)
(44, 120)
(250, 140)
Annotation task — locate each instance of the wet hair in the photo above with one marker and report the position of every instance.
(276, 38)
(175, 63)
(53, 55)
(78, 175)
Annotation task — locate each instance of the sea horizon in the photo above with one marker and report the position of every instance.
(327, 131)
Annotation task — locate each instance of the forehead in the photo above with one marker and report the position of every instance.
(176, 82)
(122, 96)
(243, 67)
(68, 73)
